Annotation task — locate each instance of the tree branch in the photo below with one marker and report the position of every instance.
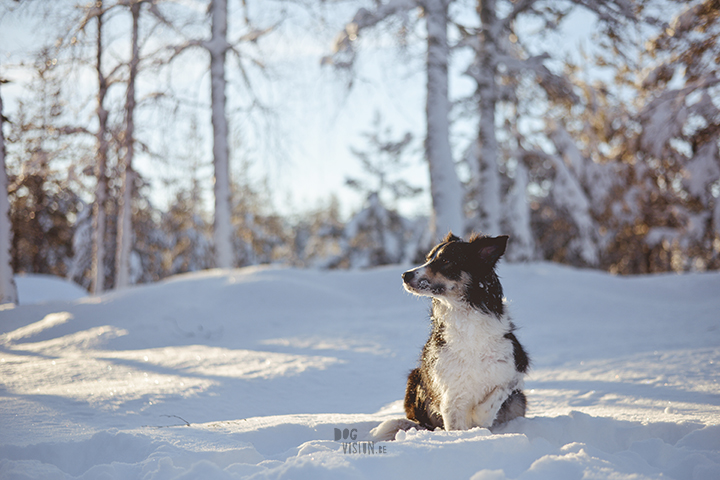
(363, 19)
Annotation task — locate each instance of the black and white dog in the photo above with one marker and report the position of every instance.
(472, 366)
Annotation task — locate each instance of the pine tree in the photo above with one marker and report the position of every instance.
(189, 236)
(42, 197)
(378, 234)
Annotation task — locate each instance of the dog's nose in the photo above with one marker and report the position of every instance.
(407, 276)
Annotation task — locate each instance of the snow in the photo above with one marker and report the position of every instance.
(248, 373)
(39, 288)
(702, 170)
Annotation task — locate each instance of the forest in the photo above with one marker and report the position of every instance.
(601, 157)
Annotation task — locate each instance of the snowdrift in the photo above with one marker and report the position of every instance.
(281, 373)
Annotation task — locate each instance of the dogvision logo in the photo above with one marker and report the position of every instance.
(353, 446)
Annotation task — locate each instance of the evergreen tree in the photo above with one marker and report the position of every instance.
(680, 124)
(44, 200)
(377, 234)
(190, 246)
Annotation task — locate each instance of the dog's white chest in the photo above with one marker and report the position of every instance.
(475, 359)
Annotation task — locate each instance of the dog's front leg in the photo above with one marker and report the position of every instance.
(484, 413)
(456, 413)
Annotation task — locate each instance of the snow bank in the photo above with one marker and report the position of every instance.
(259, 372)
(38, 288)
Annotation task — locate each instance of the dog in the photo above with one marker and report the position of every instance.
(472, 367)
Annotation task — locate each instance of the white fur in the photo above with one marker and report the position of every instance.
(475, 371)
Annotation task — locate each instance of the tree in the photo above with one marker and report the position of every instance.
(485, 72)
(217, 47)
(518, 218)
(259, 233)
(8, 289)
(642, 146)
(96, 11)
(384, 160)
(680, 123)
(189, 245)
(124, 236)
(43, 197)
(316, 238)
(506, 65)
(445, 187)
(374, 236)
(51, 203)
(378, 234)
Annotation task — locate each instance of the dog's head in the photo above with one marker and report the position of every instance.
(459, 271)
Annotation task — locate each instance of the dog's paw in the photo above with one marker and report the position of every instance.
(387, 430)
(483, 415)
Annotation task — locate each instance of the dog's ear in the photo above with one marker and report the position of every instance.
(491, 249)
(451, 238)
(448, 238)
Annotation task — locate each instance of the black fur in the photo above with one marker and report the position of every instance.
(515, 406)
(522, 362)
(417, 402)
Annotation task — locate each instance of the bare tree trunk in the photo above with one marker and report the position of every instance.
(125, 233)
(8, 289)
(98, 266)
(490, 197)
(218, 47)
(445, 187)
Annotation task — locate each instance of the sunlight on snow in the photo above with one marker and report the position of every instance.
(49, 321)
(72, 366)
(629, 388)
(331, 343)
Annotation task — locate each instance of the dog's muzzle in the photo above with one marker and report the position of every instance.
(415, 281)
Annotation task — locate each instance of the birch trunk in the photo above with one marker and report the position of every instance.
(218, 47)
(124, 235)
(490, 198)
(8, 289)
(98, 266)
(522, 248)
(445, 187)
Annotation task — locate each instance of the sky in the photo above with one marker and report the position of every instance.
(301, 149)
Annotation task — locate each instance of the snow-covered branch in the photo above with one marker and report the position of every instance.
(610, 11)
(343, 51)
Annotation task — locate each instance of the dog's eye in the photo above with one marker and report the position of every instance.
(444, 262)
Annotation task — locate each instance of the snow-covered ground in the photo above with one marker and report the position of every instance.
(38, 288)
(252, 372)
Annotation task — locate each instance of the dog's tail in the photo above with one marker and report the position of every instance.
(387, 430)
